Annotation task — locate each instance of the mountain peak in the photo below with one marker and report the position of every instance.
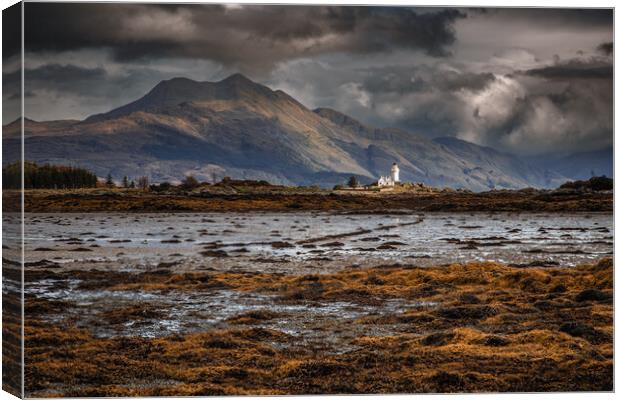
(172, 83)
(191, 86)
(18, 122)
(239, 85)
(174, 91)
(238, 77)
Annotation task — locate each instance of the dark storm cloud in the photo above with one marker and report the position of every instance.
(575, 69)
(556, 108)
(92, 82)
(551, 18)
(606, 48)
(11, 30)
(249, 35)
(593, 67)
(11, 85)
(436, 108)
(405, 80)
(61, 74)
(393, 80)
(424, 99)
(484, 75)
(69, 79)
(452, 81)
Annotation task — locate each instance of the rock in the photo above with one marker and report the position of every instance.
(559, 288)
(469, 298)
(370, 239)
(496, 341)
(584, 331)
(437, 339)
(214, 253)
(320, 259)
(544, 305)
(394, 243)
(81, 249)
(537, 263)
(374, 280)
(386, 247)
(39, 263)
(281, 245)
(447, 381)
(466, 312)
(594, 295)
(425, 290)
(333, 244)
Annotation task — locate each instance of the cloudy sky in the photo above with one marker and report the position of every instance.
(528, 81)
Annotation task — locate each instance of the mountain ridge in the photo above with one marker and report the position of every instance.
(580, 165)
(239, 128)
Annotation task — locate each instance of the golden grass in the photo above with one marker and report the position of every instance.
(495, 328)
(11, 328)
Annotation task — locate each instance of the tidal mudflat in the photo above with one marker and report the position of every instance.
(262, 241)
(317, 302)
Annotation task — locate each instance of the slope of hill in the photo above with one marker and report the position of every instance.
(442, 161)
(245, 130)
(499, 169)
(580, 166)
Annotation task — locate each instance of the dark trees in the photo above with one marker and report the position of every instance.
(47, 177)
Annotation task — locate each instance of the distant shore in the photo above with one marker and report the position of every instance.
(281, 199)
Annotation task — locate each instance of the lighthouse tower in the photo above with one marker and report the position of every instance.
(394, 173)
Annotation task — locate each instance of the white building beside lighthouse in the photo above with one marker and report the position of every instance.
(391, 180)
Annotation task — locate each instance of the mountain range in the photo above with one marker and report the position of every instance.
(245, 130)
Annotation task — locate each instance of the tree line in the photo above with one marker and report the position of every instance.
(47, 177)
(596, 183)
(50, 176)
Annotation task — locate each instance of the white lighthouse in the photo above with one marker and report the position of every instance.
(391, 180)
(394, 173)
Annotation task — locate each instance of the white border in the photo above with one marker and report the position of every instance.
(456, 3)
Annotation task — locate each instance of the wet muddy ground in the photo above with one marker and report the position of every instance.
(262, 303)
(256, 241)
